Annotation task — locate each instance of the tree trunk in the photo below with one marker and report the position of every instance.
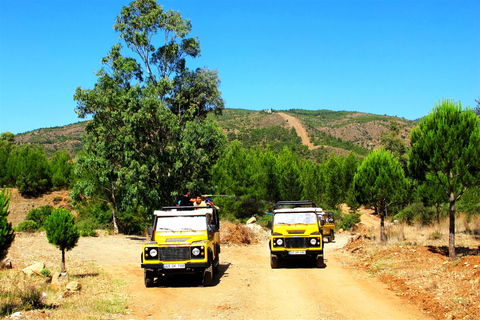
(383, 237)
(114, 211)
(451, 236)
(63, 260)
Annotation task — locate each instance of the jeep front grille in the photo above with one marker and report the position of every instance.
(296, 242)
(175, 253)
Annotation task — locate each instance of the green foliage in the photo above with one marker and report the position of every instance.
(149, 136)
(333, 182)
(61, 231)
(445, 150)
(417, 212)
(350, 220)
(380, 181)
(470, 203)
(32, 172)
(45, 272)
(7, 234)
(27, 226)
(62, 170)
(40, 215)
(87, 228)
(391, 141)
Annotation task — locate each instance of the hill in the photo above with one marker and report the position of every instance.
(320, 131)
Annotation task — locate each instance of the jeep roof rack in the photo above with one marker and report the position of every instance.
(294, 204)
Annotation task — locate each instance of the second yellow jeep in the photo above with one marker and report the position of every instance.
(296, 233)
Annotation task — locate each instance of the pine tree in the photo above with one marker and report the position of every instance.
(6, 231)
(62, 231)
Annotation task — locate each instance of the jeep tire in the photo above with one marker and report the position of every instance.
(216, 265)
(207, 276)
(332, 236)
(273, 261)
(320, 262)
(148, 278)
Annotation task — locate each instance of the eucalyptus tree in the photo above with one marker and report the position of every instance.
(380, 181)
(445, 150)
(150, 136)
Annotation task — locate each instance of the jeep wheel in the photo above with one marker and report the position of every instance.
(319, 261)
(207, 276)
(216, 265)
(273, 261)
(148, 278)
(332, 236)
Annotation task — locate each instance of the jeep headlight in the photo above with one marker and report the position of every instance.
(153, 252)
(313, 241)
(195, 251)
(279, 242)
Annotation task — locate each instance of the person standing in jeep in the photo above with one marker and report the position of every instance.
(185, 201)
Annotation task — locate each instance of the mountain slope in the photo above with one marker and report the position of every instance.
(322, 131)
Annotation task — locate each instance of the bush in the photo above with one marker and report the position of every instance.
(27, 226)
(87, 228)
(349, 220)
(40, 215)
(416, 212)
(7, 234)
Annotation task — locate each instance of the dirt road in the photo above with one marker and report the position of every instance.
(301, 132)
(247, 288)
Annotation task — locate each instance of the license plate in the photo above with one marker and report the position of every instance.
(297, 252)
(174, 266)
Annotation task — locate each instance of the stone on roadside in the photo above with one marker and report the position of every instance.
(6, 264)
(251, 220)
(74, 286)
(34, 268)
(59, 280)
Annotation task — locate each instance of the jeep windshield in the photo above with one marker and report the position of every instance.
(295, 218)
(182, 223)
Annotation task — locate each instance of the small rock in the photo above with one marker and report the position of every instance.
(74, 286)
(34, 268)
(59, 280)
(252, 220)
(6, 264)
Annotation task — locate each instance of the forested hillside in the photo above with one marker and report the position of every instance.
(330, 131)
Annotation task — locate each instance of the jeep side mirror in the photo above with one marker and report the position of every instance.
(150, 232)
(269, 224)
(322, 222)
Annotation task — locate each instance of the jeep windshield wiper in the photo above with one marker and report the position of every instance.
(186, 229)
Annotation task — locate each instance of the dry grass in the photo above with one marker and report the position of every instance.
(99, 298)
(414, 263)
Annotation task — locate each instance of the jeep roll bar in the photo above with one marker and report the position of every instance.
(294, 204)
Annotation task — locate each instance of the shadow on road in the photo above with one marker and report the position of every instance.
(190, 280)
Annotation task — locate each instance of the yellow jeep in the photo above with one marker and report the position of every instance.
(328, 225)
(296, 233)
(183, 240)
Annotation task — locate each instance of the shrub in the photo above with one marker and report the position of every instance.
(349, 220)
(40, 215)
(27, 226)
(416, 212)
(87, 228)
(7, 234)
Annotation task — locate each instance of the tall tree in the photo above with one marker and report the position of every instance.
(380, 181)
(150, 135)
(445, 150)
(333, 181)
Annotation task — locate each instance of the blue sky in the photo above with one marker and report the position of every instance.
(384, 57)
